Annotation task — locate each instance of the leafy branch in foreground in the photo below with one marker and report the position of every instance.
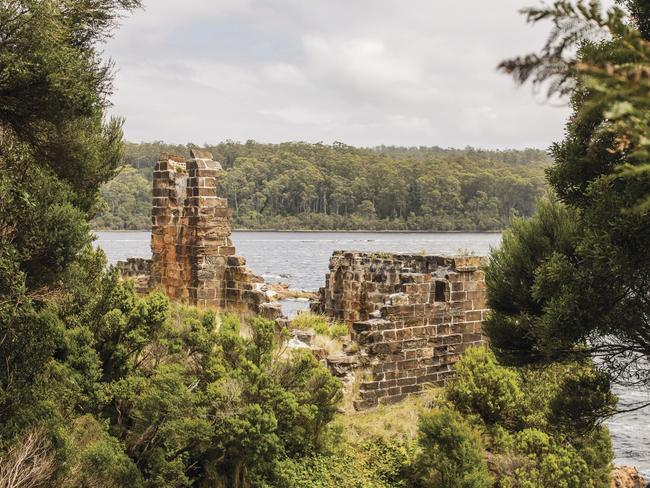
(607, 58)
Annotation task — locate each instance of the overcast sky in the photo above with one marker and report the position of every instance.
(363, 72)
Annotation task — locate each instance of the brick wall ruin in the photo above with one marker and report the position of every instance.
(193, 258)
(138, 270)
(411, 315)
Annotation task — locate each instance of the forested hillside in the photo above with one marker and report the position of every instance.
(317, 186)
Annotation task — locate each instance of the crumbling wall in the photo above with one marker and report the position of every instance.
(139, 270)
(411, 315)
(193, 258)
(170, 263)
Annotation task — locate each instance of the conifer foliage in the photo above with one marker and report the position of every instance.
(574, 280)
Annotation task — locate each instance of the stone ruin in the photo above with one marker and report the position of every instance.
(410, 316)
(193, 258)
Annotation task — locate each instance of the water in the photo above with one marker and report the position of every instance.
(631, 431)
(301, 259)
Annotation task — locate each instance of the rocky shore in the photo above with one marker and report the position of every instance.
(628, 477)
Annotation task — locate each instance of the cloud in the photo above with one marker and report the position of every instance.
(364, 72)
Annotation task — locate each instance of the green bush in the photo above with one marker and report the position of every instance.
(539, 422)
(452, 453)
(373, 463)
(486, 388)
(320, 324)
(99, 459)
(545, 463)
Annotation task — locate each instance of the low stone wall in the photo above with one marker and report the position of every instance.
(139, 270)
(411, 315)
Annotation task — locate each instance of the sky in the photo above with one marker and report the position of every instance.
(362, 72)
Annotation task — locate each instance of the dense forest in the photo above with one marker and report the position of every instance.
(318, 186)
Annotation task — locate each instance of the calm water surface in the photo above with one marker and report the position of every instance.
(301, 259)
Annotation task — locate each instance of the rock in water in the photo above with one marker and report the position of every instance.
(627, 477)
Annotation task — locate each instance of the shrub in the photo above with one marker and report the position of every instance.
(373, 463)
(547, 463)
(539, 420)
(596, 450)
(100, 458)
(452, 453)
(486, 388)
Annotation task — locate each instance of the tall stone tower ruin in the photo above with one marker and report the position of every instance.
(193, 259)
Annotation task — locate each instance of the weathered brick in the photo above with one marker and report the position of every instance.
(411, 389)
(368, 395)
(431, 308)
(392, 399)
(427, 378)
(190, 225)
(406, 381)
(407, 364)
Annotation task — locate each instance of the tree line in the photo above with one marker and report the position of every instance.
(317, 186)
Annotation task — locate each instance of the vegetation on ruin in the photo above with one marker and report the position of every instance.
(320, 324)
(319, 187)
(495, 426)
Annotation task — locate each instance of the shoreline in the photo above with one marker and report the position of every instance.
(356, 231)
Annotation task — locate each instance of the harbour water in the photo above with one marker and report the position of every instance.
(301, 259)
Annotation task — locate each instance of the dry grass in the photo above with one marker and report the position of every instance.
(332, 346)
(399, 421)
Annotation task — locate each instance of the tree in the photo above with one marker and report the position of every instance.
(574, 280)
(451, 453)
(531, 421)
(216, 407)
(127, 199)
(55, 152)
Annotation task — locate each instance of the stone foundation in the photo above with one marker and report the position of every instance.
(193, 258)
(411, 315)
